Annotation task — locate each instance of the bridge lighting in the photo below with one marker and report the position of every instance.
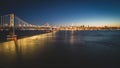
(5, 24)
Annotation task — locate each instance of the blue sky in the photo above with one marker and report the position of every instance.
(64, 12)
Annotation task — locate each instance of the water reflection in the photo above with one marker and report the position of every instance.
(7, 50)
(90, 47)
(24, 48)
(69, 36)
(72, 38)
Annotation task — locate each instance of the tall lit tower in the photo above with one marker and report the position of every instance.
(12, 32)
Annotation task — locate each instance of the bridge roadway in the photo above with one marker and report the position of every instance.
(22, 33)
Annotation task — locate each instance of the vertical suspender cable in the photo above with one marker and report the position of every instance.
(0, 22)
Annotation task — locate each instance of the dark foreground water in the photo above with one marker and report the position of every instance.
(63, 49)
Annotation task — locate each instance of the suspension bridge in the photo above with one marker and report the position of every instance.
(11, 26)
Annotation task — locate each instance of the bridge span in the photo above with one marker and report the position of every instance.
(12, 26)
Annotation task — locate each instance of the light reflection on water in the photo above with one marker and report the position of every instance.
(69, 37)
(8, 51)
(24, 48)
(63, 47)
(31, 45)
(72, 38)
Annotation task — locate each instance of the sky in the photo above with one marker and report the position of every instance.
(64, 12)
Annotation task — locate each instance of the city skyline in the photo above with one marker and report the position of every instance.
(65, 12)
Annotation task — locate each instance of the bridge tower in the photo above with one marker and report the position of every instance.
(11, 31)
